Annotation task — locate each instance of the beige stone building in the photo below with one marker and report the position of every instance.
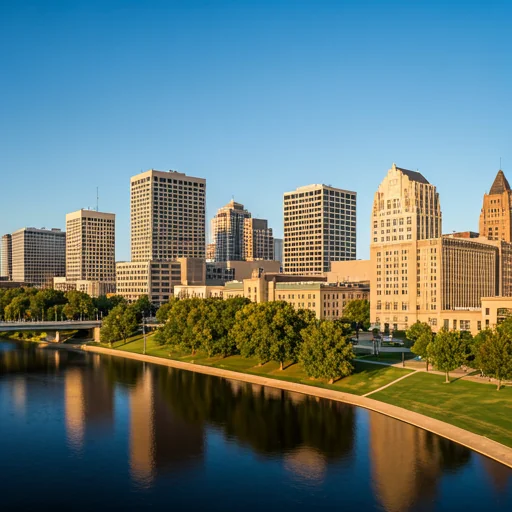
(326, 300)
(199, 291)
(167, 212)
(405, 211)
(319, 228)
(496, 214)
(419, 275)
(38, 255)
(90, 251)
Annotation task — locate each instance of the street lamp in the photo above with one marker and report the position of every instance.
(144, 333)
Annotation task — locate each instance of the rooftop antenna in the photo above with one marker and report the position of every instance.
(97, 199)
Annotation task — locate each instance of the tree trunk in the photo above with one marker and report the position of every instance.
(331, 381)
(427, 364)
(447, 381)
(280, 365)
(499, 385)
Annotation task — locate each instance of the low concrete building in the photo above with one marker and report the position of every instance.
(350, 271)
(201, 292)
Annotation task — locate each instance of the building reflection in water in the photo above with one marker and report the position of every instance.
(89, 402)
(407, 462)
(19, 394)
(160, 441)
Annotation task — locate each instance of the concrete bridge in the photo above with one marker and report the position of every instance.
(53, 328)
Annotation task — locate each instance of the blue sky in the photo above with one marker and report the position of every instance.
(256, 97)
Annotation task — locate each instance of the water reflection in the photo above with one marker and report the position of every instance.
(407, 462)
(168, 417)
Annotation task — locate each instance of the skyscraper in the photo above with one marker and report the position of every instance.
(496, 214)
(167, 212)
(319, 227)
(258, 240)
(90, 248)
(228, 227)
(38, 255)
(7, 257)
(406, 209)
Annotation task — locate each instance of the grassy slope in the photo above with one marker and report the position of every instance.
(473, 406)
(366, 377)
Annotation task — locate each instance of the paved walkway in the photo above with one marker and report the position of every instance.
(475, 442)
(391, 383)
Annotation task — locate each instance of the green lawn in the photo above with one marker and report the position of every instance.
(366, 377)
(389, 357)
(473, 406)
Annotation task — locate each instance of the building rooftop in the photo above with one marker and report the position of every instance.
(500, 184)
(414, 176)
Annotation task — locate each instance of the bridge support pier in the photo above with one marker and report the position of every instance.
(53, 336)
(95, 334)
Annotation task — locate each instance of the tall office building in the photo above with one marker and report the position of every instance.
(278, 250)
(319, 227)
(7, 257)
(496, 214)
(406, 209)
(90, 249)
(167, 216)
(38, 255)
(228, 228)
(258, 240)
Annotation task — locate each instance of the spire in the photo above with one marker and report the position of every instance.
(500, 184)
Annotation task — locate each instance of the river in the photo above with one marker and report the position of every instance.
(84, 431)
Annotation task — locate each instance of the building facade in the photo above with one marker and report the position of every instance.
(406, 209)
(496, 213)
(167, 215)
(6, 270)
(38, 255)
(319, 227)
(228, 231)
(90, 250)
(258, 240)
(278, 250)
(156, 279)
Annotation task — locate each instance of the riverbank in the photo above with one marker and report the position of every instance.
(475, 442)
(379, 402)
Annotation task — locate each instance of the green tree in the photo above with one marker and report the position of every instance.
(495, 356)
(448, 351)
(79, 305)
(421, 334)
(143, 307)
(326, 352)
(119, 324)
(357, 311)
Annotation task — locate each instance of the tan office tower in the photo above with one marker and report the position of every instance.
(319, 227)
(496, 214)
(38, 255)
(228, 227)
(167, 216)
(258, 240)
(7, 257)
(90, 249)
(406, 209)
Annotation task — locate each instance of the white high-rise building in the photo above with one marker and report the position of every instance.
(167, 211)
(6, 257)
(90, 249)
(319, 227)
(38, 255)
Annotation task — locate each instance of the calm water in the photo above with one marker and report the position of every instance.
(83, 431)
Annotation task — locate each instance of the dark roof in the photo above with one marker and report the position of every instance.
(414, 176)
(500, 184)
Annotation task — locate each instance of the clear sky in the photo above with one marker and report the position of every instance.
(258, 97)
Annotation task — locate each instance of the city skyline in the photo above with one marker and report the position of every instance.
(334, 104)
